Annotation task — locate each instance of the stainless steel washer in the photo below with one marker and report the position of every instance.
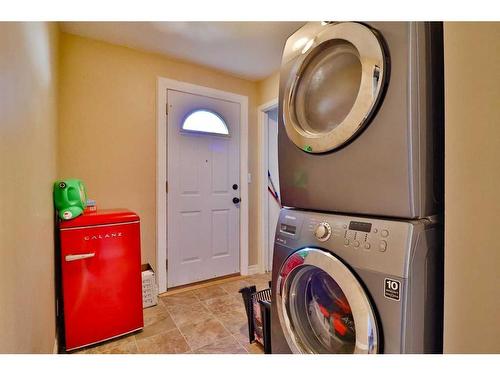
(361, 118)
(345, 284)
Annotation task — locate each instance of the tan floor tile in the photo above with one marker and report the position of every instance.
(234, 321)
(154, 314)
(209, 292)
(267, 276)
(207, 320)
(242, 338)
(234, 286)
(184, 298)
(203, 333)
(125, 348)
(253, 348)
(107, 345)
(261, 276)
(169, 342)
(227, 345)
(225, 303)
(160, 325)
(261, 285)
(261, 281)
(189, 314)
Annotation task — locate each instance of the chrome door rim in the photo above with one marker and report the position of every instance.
(362, 311)
(371, 56)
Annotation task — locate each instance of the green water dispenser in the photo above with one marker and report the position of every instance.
(70, 198)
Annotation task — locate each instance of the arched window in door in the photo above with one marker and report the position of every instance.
(205, 121)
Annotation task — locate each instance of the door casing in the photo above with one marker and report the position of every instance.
(263, 119)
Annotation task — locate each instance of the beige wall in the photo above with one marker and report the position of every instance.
(28, 125)
(472, 178)
(268, 88)
(108, 123)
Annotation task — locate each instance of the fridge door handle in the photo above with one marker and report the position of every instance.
(72, 257)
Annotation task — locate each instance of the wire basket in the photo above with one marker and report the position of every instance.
(258, 309)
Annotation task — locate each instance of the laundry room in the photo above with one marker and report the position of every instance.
(267, 185)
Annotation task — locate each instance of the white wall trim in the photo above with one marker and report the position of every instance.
(263, 119)
(254, 269)
(162, 85)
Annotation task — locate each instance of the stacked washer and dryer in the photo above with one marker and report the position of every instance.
(358, 256)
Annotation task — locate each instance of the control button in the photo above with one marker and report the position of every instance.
(367, 246)
(384, 233)
(323, 232)
(356, 243)
(375, 230)
(382, 246)
(346, 242)
(345, 226)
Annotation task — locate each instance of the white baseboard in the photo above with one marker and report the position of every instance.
(253, 269)
(55, 350)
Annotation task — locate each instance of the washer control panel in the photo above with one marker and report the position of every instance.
(362, 242)
(362, 235)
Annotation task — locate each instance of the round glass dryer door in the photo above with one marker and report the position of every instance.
(322, 307)
(334, 86)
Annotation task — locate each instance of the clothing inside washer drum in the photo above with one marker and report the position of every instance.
(329, 325)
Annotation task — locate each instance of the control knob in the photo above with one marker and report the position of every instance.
(323, 231)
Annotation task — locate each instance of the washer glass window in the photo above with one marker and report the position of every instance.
(320, 313)
(322, 307)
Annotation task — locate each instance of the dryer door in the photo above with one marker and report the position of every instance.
(322, 307)
(333, 86)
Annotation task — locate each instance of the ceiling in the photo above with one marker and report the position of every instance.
(250, 50)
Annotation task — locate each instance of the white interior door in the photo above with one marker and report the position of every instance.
(273, 206)
(203, 179)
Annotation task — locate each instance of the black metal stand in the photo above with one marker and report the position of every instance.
(262, 299)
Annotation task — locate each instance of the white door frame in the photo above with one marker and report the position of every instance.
(162, 85)
(263, 119)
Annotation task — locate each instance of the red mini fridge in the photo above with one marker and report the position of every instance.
(101, 276)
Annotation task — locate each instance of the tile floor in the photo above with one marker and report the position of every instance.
(209, 319)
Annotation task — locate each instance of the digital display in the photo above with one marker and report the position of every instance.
(360, 226)
(288, 228)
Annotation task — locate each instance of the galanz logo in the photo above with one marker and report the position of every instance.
(103, 236)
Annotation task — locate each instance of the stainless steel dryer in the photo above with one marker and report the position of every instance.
(345, 284)
(361, 118)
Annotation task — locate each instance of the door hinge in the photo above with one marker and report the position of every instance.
(166, 109)
(166, 186)
(166, 264)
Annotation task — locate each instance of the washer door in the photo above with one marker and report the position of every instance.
(333, 87)
(322, 307)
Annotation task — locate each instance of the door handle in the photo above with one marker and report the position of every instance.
(72, 257)
(236, 200)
